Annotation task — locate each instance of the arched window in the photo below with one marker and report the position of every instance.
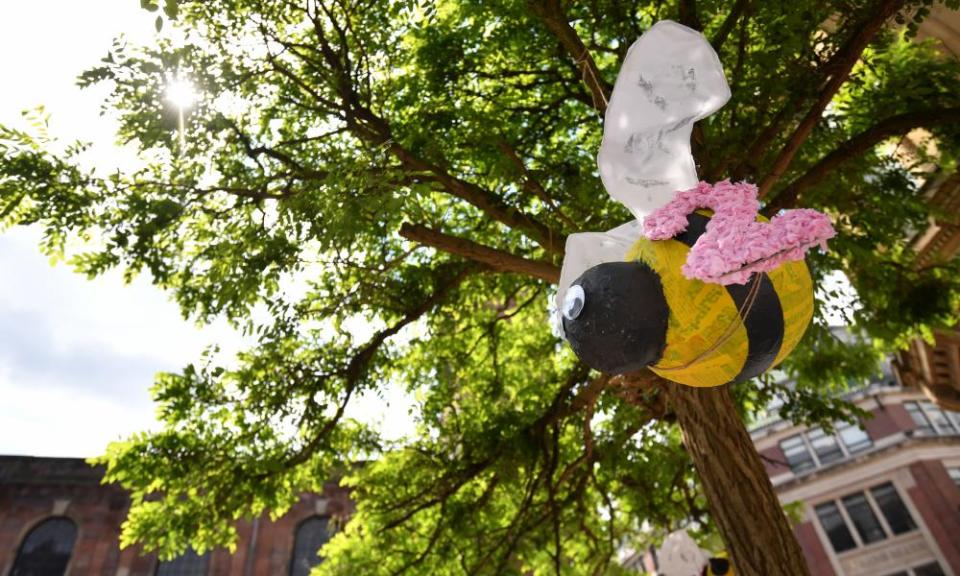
(312, 534)
(187, 564)
(46, 549)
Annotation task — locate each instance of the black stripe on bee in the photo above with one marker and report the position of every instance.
(763, 320)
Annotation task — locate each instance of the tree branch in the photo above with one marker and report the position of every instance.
(750, 161)
(688, 15)
(728, 24)
(552, 14)
(839, 68)
(892, 126)
(254, 153)
(489, 203)
(496, 259)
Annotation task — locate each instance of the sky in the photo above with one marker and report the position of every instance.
(77, 357)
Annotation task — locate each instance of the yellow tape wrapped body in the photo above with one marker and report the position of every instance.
(707, 343)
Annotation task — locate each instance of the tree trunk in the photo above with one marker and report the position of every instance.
(742, 501)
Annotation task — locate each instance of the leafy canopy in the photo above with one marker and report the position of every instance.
(330, 136)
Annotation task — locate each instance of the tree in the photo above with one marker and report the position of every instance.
(379, 192)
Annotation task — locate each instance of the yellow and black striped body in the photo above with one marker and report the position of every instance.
(719, 334)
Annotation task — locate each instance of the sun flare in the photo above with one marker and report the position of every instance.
(181, 93)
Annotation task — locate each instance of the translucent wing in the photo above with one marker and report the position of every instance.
(670, 79)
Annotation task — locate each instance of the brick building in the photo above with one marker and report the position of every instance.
(879, 499)
(56, 518)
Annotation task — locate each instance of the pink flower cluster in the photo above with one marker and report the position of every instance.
(735, 245)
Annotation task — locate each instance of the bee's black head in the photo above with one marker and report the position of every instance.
(615, 317)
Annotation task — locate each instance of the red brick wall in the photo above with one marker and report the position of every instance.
(774, 462)
(34, 489)
(888, 420)
(96, 510)
(817, 559)
(273, 547)
(937, 499)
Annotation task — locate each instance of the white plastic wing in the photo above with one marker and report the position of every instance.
(680, 555)
(670, 79)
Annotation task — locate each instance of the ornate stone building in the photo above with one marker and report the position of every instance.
(56, 518)
(934, 367)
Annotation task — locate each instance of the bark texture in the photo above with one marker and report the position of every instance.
(742, 501)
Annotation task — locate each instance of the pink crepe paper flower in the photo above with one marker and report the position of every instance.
(735, 245)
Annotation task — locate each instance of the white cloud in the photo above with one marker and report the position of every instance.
(77, 356)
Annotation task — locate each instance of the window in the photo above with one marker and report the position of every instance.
(930, 419)
(863, 518)
(825, 446)
(835, 527)
(797, 455)
(894, 512)
(931, 569)
(862, 511)
(919, 418)
(939, 417)
(187, 564)
(854, 437)
(955, 475)
(312, 534)
(46, 549)
(816, 448)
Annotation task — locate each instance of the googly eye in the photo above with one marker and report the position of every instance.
(573, 302)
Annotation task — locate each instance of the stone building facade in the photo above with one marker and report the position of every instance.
(933, 367)
(878, 499)
(57, 518)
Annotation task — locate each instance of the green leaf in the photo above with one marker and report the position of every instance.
(171, 8)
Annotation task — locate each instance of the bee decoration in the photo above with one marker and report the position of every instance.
(704, 292)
